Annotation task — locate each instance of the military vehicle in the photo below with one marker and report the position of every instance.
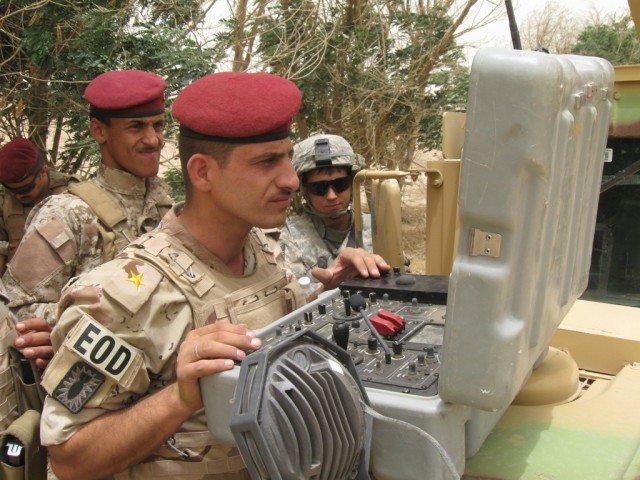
(517, 355)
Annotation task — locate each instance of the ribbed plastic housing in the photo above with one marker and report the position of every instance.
(302, 407)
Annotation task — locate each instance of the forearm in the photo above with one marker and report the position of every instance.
(115, 441)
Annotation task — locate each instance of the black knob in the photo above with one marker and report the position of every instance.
(322, 309)
(347, 309)
(308, 318)
(397, 349)
(341, 334)
(373, 298)
(372, 344)
(396, 270)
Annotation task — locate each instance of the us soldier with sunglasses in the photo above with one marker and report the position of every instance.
(26, 180)
(326, 165)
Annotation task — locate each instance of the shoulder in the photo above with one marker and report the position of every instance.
(64, 207)
(125, 283)
(298, 228)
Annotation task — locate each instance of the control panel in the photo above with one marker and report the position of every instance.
(403, 354)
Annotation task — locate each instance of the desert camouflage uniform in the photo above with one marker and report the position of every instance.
(64, 238)
(144, 303)
(13, 216)
(304, 239)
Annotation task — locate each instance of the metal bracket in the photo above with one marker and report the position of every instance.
(486, 244)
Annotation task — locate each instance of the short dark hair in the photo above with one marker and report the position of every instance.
(188, 147)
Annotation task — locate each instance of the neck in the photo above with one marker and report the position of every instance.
(341, 223)
(225, 241)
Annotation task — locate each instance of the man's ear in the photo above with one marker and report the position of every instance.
(98, 130)
(199, 168)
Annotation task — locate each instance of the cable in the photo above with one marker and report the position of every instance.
(443, 453)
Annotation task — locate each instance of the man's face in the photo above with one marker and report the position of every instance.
(255, 186)
(131, 144)
(30, 190)
(329, 181)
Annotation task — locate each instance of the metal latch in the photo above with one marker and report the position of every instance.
(486, 244)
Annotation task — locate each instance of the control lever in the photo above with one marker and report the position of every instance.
(359, 304)
(341, 334)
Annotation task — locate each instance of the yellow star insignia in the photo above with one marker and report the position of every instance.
(135, 279)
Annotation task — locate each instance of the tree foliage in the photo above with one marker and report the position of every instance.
(379, 73)
(616, 41)
(50, 50)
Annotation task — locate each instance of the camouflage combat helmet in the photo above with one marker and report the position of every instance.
(324, 150)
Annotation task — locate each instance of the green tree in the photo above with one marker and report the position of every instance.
(616, 41)
(50, 50)
(379, 73)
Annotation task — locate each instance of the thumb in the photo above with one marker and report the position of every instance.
(323, 275)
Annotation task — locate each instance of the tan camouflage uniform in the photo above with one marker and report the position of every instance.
(141, 306)
(304, 238)
(64, 239)
(13, 214)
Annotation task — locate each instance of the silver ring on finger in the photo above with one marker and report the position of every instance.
(195, 352)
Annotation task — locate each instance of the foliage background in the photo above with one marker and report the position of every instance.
(379, 73)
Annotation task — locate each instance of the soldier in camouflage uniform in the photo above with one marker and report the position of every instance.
(135, 335)
(71, 233)
(326, 165)
(26, 180)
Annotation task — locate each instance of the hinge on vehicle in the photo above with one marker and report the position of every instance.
(484, 243)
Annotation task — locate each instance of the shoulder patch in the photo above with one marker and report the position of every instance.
(132, 283)
(77, 386)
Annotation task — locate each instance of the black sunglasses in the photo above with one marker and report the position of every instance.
(35, 173)
(24, 188)
(320, 189)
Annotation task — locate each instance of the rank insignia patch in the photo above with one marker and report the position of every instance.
(77, 386)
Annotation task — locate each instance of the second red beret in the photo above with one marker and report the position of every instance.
(126, 94)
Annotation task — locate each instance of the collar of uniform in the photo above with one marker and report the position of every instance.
(122, 182)
(172, 225)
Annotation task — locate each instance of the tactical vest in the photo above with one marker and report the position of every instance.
(20, 407)
(256, 300)
(112, 219)
(15, 213)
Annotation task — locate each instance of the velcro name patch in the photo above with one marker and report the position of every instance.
(99, 347)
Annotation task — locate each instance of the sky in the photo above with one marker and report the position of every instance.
(497, 33)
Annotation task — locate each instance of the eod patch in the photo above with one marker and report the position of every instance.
(91, 358)
(78, 386)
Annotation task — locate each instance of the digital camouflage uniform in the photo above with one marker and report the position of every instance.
(136, 310)
(65, 238)
(13, 216)
(304, 239)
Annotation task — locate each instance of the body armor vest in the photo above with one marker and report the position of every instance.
(256, 299)
(15, 213)
(112, 226)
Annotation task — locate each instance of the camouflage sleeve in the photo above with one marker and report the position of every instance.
(293, 255)
(116, 340)
(61, 241)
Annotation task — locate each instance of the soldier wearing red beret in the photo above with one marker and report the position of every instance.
(26, 180)
(182, 302)
(74, 232)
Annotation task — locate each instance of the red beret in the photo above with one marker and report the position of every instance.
(126, 94)
(18, 159)
(238, 107)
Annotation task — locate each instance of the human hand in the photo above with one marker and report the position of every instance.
(208, 350)
(35, 341)
(350, 263)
